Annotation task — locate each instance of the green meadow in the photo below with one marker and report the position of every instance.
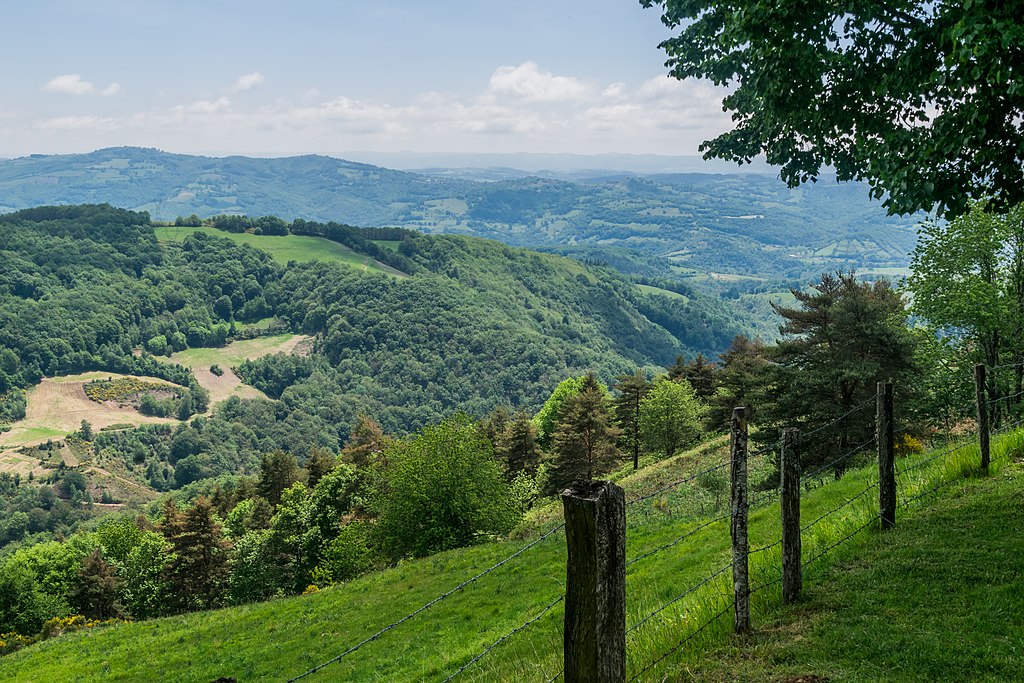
(280, 639)
(284, 248)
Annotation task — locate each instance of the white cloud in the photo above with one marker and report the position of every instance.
(529, 83)
(247, 82)
(519, 108)
(72, 84)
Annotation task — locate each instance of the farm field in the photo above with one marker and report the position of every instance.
(228, 384)
(285, 248)
(57, 406)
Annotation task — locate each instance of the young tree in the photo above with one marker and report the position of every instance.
(517, 446)
(278, 471)
(95, 592)
(85, 431)
(441, 489)
(585, 441)
(632, 389)
(670, 415)
(922, 99)
(197, 570)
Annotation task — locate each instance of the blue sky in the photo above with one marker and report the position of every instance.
(278, 78)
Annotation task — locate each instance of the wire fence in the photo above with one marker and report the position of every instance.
(916, 480)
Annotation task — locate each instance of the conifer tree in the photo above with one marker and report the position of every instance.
(278, 471)
(632, 389)
(198, 569)
(365, 442)
(517, 446)
(95, 592)
(744, 375)
(584, 443)
(700, 373)
(318, 464)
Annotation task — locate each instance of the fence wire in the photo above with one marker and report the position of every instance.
(675, 648)
(688, 591)
(842, 417)
(505, 637)
(428, 605)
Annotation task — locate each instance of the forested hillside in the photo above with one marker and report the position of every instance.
(723, 225)
(478, 325)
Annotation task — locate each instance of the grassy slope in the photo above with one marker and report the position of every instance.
(285, 248)
(276, 640)
(939, 598)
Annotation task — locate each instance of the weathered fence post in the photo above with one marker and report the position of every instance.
(789, 501)
(886, 456)
(739, 507)
(595, 585)
(983, 426)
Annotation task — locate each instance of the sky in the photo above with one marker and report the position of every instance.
(272, 78)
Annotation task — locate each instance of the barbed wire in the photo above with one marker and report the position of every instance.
(430, 604)
(674, 484)
(836, 461)
(763, 548)
(844, 539)
(1003, 366)
(675, 648)
(555, 677)
(842, 417)
(505, 637)
(678, 539)
(839, 507)
(997, 399)
(679, 597)
(921, 463)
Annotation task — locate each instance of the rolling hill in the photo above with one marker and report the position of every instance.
(712, 224)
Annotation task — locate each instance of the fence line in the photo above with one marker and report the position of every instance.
(428, 605)
(735, 514)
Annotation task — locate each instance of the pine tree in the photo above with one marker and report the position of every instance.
(700, 373)
(318, 464)
(517, 446)
(366, 441)
(278, 471)
(584, 443)
(95, 591)
(632, 389)
(198, 569)
(743, 377)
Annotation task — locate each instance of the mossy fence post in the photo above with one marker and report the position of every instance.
(983, 425)
(739, 507)
(789, 503)
(595, 585)
(886, 455)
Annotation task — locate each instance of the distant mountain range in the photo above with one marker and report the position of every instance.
(723, 225)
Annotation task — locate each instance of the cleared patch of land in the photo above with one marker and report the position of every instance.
(648, 289)
(57, 406)
(228, 384)
(285, 248)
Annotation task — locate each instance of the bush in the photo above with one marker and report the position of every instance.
(440, 489)
(217, 370)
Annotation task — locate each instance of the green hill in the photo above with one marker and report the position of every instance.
(695, 223)
(283, 638)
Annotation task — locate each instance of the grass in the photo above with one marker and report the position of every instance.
(237, 351)
(664, 292)
(285, 248)
(280, 639)
(937, 598)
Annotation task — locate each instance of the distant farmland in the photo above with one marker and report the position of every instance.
(285, 248)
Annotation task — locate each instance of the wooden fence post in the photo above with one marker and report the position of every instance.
(739, 507)
(595, 586)
(789, 501)
(886, 455)
(983, 425)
